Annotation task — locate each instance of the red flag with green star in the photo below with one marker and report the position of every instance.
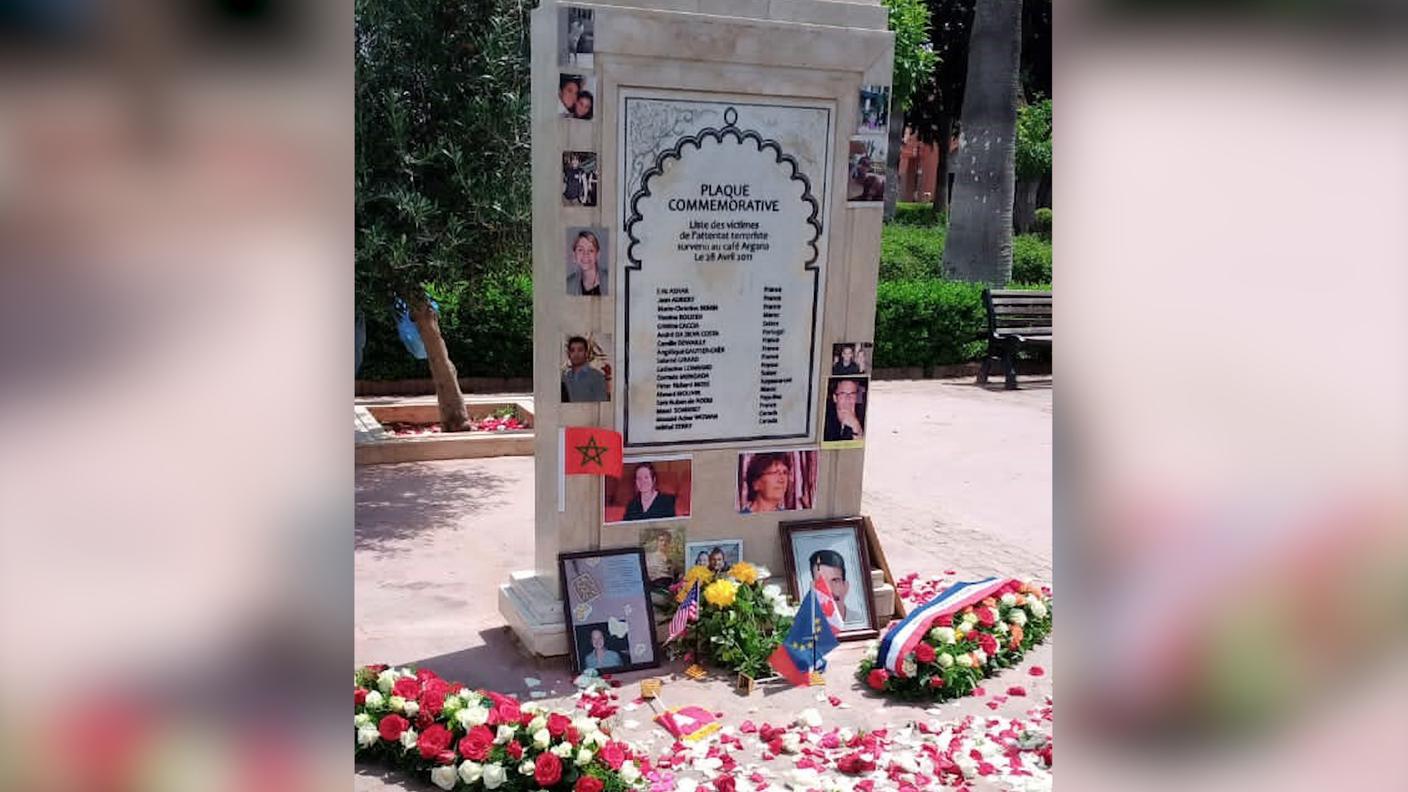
(592, 451)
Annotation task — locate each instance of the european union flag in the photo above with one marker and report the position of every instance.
(806, 645)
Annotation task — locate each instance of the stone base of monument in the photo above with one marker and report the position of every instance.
(375, 445)
(532, 606)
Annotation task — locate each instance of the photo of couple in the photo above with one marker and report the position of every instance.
(575, 96)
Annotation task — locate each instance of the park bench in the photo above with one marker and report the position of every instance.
(1016, 319)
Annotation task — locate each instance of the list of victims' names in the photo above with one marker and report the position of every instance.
(687, 349)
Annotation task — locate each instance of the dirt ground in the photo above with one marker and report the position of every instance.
(958, 478)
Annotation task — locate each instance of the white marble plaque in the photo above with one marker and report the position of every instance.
(722, 216)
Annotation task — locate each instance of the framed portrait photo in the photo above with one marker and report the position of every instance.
(836, 550)
(610, 619)
(716, 554)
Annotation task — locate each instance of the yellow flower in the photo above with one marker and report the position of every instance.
(744, 572)
(699, 573)
(721, 593)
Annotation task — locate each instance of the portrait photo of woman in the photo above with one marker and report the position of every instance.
(656, 488)
(586, 262)
(771, 481)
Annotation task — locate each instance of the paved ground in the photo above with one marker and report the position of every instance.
(957, 478)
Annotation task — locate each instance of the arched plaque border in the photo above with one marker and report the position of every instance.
(730, 129)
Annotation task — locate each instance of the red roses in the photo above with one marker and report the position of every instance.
(987, 617)
(877, 678)
(433, 742)
(614, 754)
(505, 711)
(359, 696)
(406, 688)
(392, 726)
(924, 652)
(988, 644)
(588, 784)
(558, 724)
(477, 744)
(547, 770)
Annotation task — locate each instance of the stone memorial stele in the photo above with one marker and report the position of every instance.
(722, 139)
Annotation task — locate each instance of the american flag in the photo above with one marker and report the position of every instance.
(688, 612)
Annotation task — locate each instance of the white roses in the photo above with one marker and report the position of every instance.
(584, 757)
(367, 736)
(375, 701)
(472, 716)
(444, 777)
(494, 776)
(629, 772)
(945, 660)
(471, 772)
(387, 679)
(943, 635)
(1017, 617)
(1037, 607)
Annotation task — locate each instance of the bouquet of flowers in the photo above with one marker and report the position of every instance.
(963, 648)
(474, 739)
(741, 620)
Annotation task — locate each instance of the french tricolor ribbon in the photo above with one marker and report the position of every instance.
(902, 639)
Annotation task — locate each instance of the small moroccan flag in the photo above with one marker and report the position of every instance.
(592, 451)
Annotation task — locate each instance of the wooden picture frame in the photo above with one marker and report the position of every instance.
(844, 537)
(606, 592)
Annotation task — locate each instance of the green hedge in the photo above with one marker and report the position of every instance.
(927, 322)
(1031, 259)
(488, 328)
(910, 252)
(917, 214)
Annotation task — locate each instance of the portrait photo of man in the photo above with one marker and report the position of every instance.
(582, 381)
(845, 410)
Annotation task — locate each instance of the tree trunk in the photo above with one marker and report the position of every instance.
(1024, 204)
(453, 416)
(892, 162)
(945, 139)
(979, 246)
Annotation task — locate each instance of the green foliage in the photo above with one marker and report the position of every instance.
(1042, 222)
(914, 53)
(738, 635)
(1031, 259)
(443, 183)
(917, 214)
(487, 325)
(1034, 140)
(928, 322)
(910, 252)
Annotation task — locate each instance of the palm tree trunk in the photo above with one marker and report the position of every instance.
(979, 246)
(453, 416)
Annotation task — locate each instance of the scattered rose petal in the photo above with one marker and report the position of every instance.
(1036, 671)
